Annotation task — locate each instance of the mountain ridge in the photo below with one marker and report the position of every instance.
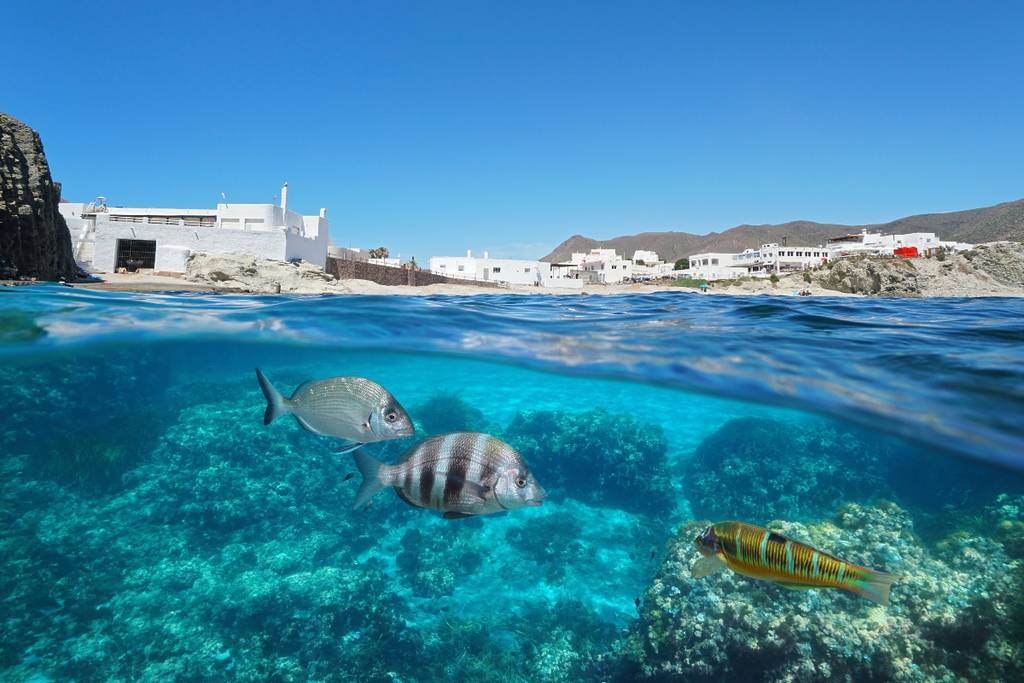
(1004, 221)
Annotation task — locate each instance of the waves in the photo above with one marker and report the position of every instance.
(944, 372)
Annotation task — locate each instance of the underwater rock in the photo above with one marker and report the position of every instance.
(597, 457)
(445, 412)
(951, 615)
(1006, 517)
(553, 542)
(757, 469)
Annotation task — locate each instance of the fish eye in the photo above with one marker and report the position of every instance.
(391, 417)
(521, 482)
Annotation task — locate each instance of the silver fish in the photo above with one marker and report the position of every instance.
(460, 474)
(354, 409)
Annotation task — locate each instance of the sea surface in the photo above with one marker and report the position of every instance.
(152, 528)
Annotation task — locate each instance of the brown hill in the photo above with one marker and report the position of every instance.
(1000, 222)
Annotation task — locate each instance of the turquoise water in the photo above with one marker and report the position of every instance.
(154, 529)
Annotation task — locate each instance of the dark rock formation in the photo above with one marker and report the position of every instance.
(34, 239)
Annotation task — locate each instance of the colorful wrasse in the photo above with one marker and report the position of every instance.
(762, 554)
(460, 474)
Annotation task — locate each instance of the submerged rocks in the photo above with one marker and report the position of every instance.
(597, 457)
(34, 239)
(757, 469)
(951, 615)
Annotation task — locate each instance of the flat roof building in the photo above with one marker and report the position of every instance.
(106, 239)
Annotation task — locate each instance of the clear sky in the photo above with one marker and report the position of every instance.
(432, 127)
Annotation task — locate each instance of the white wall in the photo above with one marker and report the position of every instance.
(268, 244)
(512, 271)
(309, 250)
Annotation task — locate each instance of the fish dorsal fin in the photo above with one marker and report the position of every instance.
(706, 566)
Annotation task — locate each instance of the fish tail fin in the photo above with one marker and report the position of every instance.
(373, 478)
(875, 586)
(276, 403)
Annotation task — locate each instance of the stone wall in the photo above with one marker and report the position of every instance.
(345, 269)
(34, 239)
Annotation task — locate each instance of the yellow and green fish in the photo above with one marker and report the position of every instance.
(762, 554)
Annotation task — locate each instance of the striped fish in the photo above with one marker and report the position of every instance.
(354, 409)
(461, 474)
(762, 554)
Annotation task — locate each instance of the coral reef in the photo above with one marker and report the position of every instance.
(758, 469)
(597, 457)
(951, 616)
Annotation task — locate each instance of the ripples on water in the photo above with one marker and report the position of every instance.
(158, 530)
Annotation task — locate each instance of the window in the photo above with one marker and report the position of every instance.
(714, 262)
(496, 269)
(614, 266)
(442, 266)
(461, 268)
(789, 253)
(526, 270)
(230, 222)
(704, 262)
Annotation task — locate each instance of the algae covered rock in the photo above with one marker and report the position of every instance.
(950, 618)
(445, 412)
(597, 457)
(757, 469)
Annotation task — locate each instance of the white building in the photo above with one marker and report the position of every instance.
(648, 266)
(910, 244)
(108, 238)
(602, 266)
(507, 271)
(762, 262)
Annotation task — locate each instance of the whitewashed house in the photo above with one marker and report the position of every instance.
(910, 244)
(106, 238)
(647, 265)
(602, 266)
(506, 271)
(762, 262)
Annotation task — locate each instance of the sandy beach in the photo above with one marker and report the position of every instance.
(150, 282)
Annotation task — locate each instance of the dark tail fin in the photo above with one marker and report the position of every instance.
(875, 586)
(370, 468)
(276, 406)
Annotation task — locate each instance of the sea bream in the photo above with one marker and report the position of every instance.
(758, 553)
(354, 409)
(460, 474)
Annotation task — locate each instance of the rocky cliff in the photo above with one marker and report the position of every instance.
(34, 239)
(995, 269)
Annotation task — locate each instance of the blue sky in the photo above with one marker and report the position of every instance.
(432, 127)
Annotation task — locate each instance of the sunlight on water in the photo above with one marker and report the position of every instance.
(155, 529)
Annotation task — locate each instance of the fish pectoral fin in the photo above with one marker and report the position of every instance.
(346, 447)
(706, 566)
(308, 427)
(480, 491)
(456, 515)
